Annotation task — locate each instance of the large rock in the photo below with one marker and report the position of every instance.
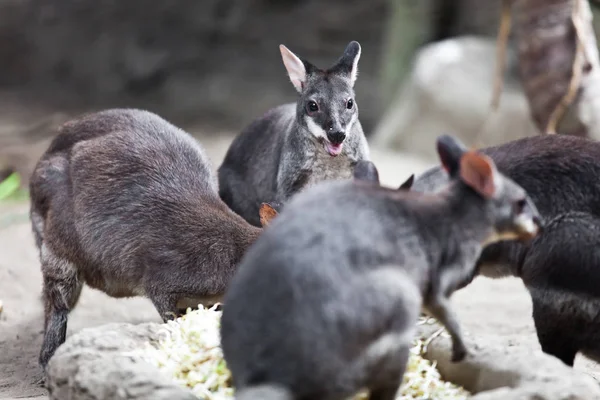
(97, 363)
(496, 372)
(450, 91)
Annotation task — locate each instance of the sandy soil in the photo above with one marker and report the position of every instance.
(500, 307)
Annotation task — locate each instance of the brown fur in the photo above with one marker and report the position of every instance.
(128, 204)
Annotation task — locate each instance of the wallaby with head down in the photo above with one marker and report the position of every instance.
(126, 202)
(561, 267)
(296, 145)
(324, 305)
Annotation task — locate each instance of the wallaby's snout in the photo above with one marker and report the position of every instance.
(336, 137)
(334, 131)
(517, 217)
(528, 222)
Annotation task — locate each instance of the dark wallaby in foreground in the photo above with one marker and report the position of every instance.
(561, 267)
(326, 301)
(126, 202)
(296, 145)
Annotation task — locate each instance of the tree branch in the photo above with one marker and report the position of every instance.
(578, 64)
(501, 45)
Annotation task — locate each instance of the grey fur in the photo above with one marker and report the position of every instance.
(284, 151)
(325, 302)
(126, 202)
(561, 267)
(366, 170)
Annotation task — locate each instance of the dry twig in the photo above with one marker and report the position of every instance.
(431, 338)
(501, 45)
(501, 48)
(579, 61)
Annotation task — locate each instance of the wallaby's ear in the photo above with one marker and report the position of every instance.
(479, 172)
(450, 151)
(407, 183)
(366, 171)
(267, 213)
(348, 62)
(295, 68)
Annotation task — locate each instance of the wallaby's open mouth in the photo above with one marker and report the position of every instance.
(333, 149)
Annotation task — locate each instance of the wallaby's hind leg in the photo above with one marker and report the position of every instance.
(165, 303)
(552, 338)
(388, 393)
(62, 289)
(390, 383)
(385, 359)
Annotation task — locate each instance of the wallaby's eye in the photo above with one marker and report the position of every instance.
(350, 104)
(312, 107)
(519, 206)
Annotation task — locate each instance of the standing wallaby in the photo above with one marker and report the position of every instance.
(561, 267)
(127, 203)
(296, 145)
(326, 301)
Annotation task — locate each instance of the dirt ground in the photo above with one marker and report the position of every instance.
(491, 307)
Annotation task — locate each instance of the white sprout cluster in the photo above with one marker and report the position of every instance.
(189, 351)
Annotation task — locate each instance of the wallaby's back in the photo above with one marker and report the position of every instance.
(160, 152)
(302, 364)
(560, 172)
(120, 167)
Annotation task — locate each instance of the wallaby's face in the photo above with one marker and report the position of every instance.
(326, 108)
(513, 214)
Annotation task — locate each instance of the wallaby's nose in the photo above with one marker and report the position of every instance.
(336, 137)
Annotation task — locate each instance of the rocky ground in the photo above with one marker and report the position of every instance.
(500, 308)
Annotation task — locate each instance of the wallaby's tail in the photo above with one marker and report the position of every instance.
(264, 392)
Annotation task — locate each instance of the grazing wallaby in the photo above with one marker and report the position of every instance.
(296, 145)
(126, 202)
(326, 301)
(561, 267)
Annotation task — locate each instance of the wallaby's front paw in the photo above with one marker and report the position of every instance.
(459, 352)
(170, 316)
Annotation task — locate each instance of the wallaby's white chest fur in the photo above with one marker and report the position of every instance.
(325, 167)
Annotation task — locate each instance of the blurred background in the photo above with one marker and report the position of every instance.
(211, 66)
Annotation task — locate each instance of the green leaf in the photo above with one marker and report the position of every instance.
(9, 186)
